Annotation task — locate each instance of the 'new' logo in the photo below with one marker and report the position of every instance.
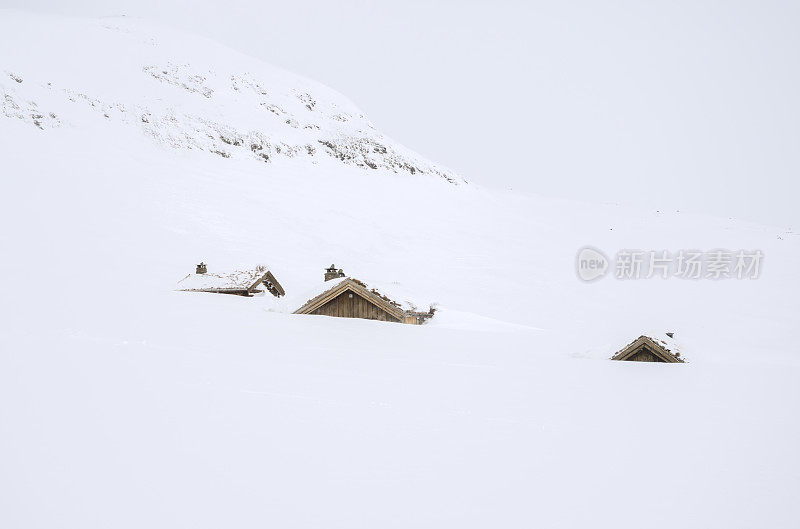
(591, 264)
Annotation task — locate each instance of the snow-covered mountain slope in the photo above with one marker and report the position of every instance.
(185, 92)
(124, 403)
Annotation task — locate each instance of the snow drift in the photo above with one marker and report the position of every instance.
(130, 153)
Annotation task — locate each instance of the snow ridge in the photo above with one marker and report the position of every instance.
(242, 109)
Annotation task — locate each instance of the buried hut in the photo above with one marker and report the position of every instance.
(347, 297)
(651, 348)
(239, 282)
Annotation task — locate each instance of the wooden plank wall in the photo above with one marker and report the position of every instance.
(351, 305)
(644, 355)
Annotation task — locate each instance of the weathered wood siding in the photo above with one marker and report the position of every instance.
(644, 355)
(351, 305)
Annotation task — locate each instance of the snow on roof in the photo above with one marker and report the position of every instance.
(391, 292)
(667, 342)
(662, 339)
(223, 282)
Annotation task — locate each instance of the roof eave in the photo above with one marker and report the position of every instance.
(662, 352)
(350, 284)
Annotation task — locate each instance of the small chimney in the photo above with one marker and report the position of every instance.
(671, 334)
(201, 268)
(333, 273)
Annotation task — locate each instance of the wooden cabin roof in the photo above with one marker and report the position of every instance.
(237, 282)
(664, 348)
(354, 285)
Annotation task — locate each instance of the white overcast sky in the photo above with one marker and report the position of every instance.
(690, 105)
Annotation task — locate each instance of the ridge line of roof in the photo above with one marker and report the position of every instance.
(362, 290)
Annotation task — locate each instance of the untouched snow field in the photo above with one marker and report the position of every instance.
(126, 404)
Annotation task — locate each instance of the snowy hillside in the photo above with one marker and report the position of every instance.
(185, 92)
(130, 153)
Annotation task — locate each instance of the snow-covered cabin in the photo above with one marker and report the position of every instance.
(238, 282)
(347, 297)
(651, 348)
